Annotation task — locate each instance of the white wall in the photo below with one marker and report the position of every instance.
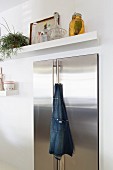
(16, 113)
(16, 118)
(19, 17)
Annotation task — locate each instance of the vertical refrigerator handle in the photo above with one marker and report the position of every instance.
(57, 70)
(55, 73)
(57, 164)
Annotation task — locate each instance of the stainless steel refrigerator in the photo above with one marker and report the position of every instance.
(79, 76)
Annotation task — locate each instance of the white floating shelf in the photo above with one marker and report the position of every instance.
(61, 42)
(77, 42)
(68, 42)
(9, 93)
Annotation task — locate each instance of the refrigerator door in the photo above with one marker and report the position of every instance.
(79, 76)
(42, 114)
(80, 83)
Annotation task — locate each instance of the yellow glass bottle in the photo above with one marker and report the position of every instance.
(76, 25)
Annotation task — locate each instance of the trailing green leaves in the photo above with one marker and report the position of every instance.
(12, 42)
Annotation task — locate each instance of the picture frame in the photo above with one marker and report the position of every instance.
(37, 27)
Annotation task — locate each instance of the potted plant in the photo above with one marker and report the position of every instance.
(11, 43)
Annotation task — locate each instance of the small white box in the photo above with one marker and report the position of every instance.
(9, 85)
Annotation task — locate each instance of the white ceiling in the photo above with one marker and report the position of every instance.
(7, 4)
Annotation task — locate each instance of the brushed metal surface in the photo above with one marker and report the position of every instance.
(79, 78)
(43, 91)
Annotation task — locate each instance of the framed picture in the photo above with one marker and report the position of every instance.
(37, 28)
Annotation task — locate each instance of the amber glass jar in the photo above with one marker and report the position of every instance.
(76, 25)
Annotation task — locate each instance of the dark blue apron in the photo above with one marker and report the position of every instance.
(60, 136)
